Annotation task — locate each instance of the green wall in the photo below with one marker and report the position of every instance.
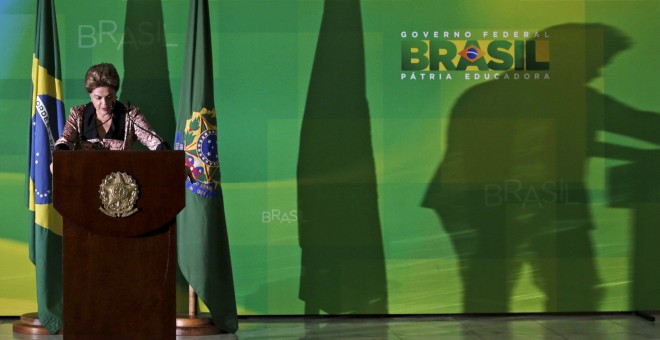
(321, 182)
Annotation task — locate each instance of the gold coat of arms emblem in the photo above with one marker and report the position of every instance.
(118, 192)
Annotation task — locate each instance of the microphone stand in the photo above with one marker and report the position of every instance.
(162, 142)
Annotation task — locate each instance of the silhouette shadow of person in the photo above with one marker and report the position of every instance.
(511, 188)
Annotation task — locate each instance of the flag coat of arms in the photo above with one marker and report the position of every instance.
(46, 124)
(203, 246)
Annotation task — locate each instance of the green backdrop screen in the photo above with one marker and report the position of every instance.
(390, 156)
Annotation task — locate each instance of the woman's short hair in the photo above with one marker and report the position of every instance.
(100, 75)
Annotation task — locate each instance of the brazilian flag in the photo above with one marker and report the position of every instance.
(203, 245)
(47, 122)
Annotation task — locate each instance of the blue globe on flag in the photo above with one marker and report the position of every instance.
(471, 53)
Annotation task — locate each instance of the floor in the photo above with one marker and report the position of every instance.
(600, 326)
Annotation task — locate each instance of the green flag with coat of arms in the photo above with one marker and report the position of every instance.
(203, 245)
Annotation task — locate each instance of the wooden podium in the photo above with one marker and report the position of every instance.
(119, 271)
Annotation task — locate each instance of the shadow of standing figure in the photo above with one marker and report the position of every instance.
(342, 257)
(511, 187)
(146, 74)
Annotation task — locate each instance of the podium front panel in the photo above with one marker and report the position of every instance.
(119, 272)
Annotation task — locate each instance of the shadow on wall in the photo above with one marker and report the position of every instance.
(636, 186)
(511, 188)
(343, 265)
(146, 81)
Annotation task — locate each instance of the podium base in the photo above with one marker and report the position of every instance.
(193, 325)
(29, 324)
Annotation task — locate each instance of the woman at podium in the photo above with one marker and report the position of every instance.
(105, 123)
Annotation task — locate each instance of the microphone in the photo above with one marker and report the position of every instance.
(77, 144)
(81, 141)
(163, 144)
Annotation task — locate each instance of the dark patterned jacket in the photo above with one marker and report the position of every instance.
(128, 126)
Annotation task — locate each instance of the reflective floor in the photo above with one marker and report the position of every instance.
(601, 326)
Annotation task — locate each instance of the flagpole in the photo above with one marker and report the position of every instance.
(192, 302)
(194, 324)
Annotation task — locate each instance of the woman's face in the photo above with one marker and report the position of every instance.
(103, 99)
